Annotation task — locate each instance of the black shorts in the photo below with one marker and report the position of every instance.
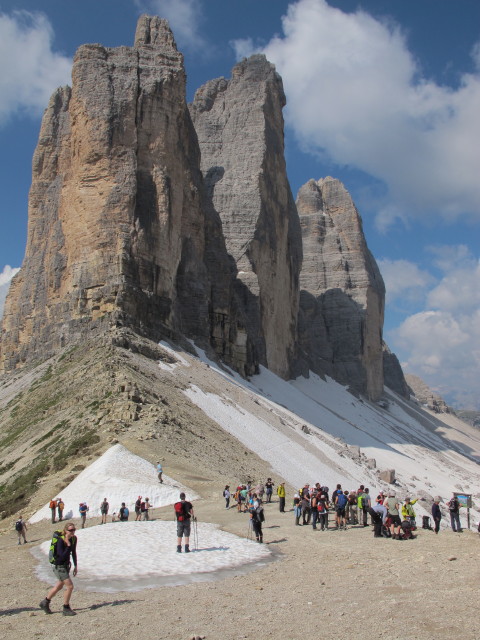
(340, 511)
(395, 520)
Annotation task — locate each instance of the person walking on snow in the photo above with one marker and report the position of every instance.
(65, 548)
(184, 515)
(160, 472)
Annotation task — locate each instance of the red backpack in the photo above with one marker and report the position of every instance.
(179, 511)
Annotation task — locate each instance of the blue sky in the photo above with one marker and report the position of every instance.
(384, 95)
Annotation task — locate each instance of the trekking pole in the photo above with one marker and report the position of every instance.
(195, 529)
(250, 530)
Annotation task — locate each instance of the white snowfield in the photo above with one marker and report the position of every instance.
(129, 556)
(119, 476)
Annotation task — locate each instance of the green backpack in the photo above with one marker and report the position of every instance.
(52, 552)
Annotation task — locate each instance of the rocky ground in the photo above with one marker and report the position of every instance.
(330, 585)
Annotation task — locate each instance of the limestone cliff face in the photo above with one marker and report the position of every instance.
(179, 222)
(116, 228)
(392, 373)
(239, 124)
(342, 291)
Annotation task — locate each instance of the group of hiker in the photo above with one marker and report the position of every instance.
(57, 507)
(313, 504)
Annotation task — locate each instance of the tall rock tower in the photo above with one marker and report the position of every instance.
(239, 124)
(116, 227)
(342, 291)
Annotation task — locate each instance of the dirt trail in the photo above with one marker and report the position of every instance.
(340, 585)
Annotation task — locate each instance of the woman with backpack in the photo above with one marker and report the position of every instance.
(62, 549)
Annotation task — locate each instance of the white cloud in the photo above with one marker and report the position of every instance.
(184, 17)
(5, 277)
(29, 70)
(404, 279)
(442, 343)
(356, 94)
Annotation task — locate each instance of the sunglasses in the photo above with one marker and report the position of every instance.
(71, 529)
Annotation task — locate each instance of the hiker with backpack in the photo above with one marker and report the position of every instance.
(257, 517)
(454, 508)
(82, 509)
(123, 513)
(60, 508)
(322, 508)
(341, 501)
(53, 509)
(63, 549)
(21, 528)
(184, 515)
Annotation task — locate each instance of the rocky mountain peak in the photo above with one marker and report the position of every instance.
(152, 30)
(177, 221)
(342, 291)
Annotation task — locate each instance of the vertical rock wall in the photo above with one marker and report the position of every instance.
(116, 228)
(239, 124)
(342, 291)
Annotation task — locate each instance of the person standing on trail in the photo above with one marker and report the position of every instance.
(269, 484)
(184, 514)
(257, 517)
(147, 507)
(281, 497)
(82, 509)
(341, 502)
(226, 495)
(160, 472)
(138, 508)
(436, 513)
(60, 508)
(393, 507)
(53, 509)
(21, 529)
(104, 506)
(64, 546)
(454, 508)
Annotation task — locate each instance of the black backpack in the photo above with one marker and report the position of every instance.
(19, 525)
(260, 514)
(426, 522)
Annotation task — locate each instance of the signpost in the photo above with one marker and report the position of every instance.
(465, 500)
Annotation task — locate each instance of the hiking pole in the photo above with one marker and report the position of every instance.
(195, 530)
(250, 530)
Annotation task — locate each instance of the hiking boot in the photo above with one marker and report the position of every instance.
(67, 611)
(187, 548)
(179, 548)
(45, 605)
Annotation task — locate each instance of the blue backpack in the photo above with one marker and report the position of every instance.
(341, 500)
